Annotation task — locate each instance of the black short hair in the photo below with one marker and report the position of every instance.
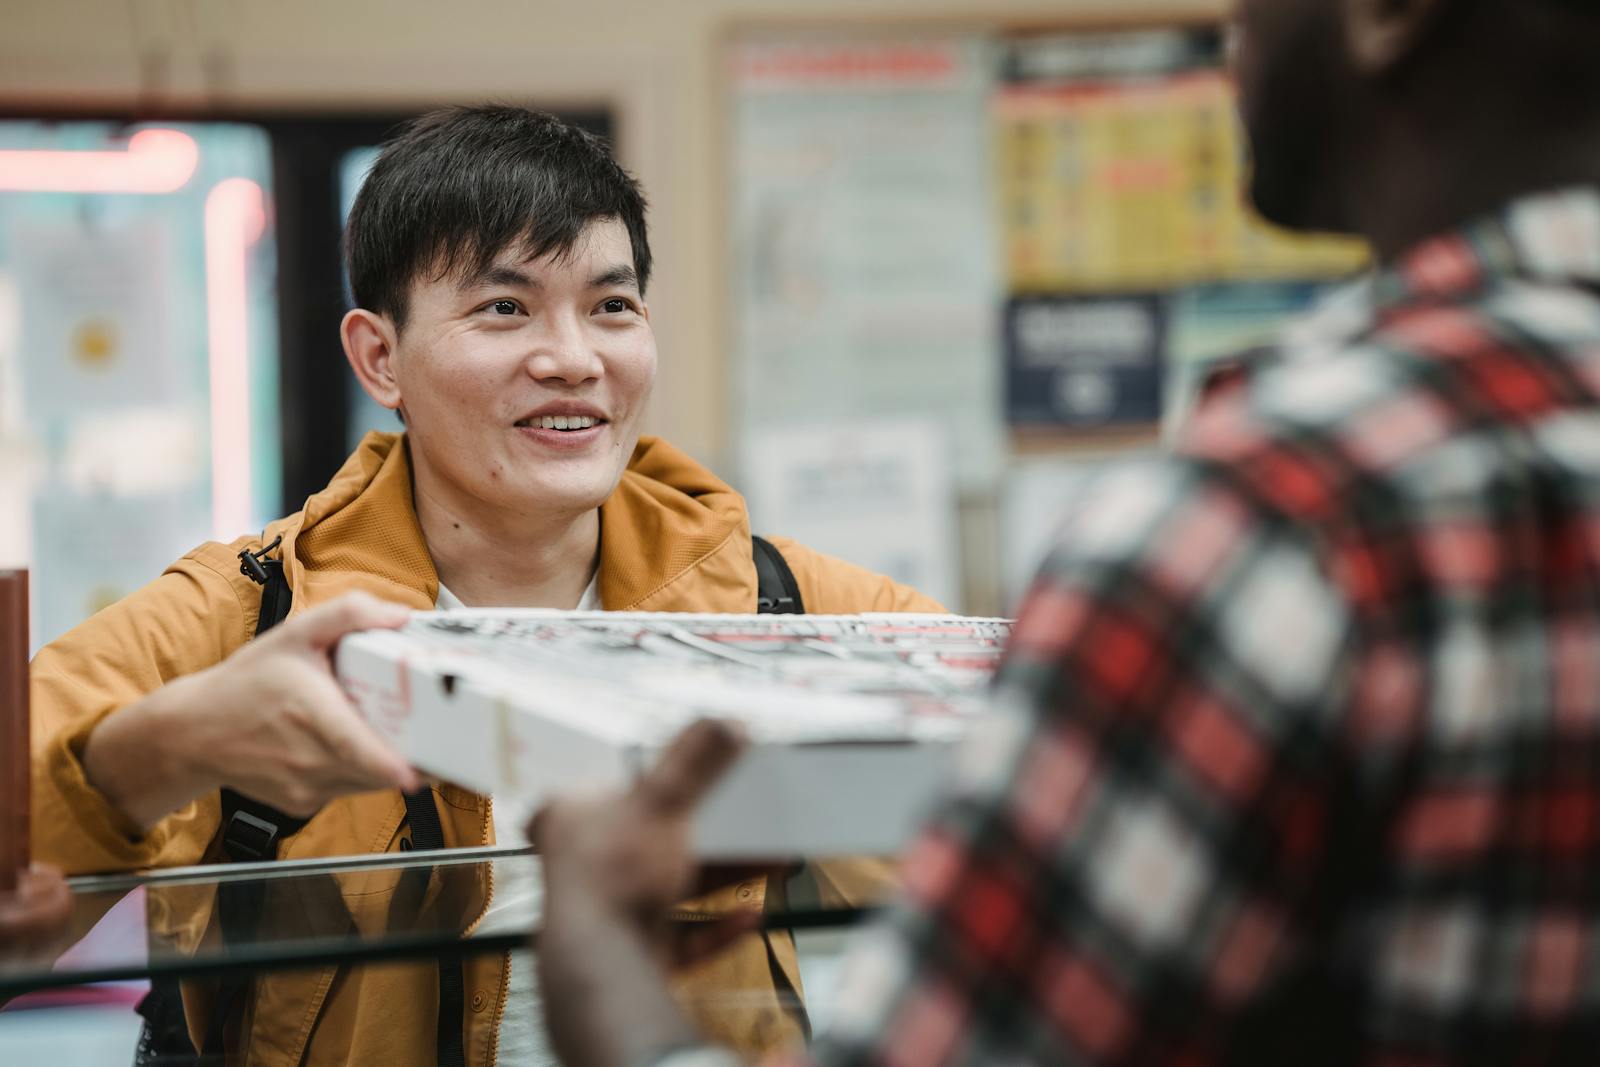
(456, 187)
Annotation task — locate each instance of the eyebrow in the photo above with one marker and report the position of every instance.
(621, 274)
(498, 276)
(503, 276)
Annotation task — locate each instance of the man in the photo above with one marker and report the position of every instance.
(499, 260)
(1304, 767)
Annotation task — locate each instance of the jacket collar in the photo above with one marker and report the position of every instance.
(1550, 238)
(673, 537)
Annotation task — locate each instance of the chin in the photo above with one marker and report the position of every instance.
(1276, 202)
(1292, 192)
(573, 496)
(1299, 120)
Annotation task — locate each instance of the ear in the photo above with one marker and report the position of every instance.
(1382, 35)
(369, 345)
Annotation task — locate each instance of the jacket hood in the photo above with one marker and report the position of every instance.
(670, 532)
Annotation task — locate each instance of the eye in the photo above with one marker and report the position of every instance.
(616, 305)
(502, 307)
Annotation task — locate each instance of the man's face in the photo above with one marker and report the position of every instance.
(1294, 90)
(522, 387)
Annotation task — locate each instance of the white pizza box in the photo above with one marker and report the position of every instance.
(853, 721)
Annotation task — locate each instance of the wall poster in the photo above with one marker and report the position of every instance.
(865, 270)
(1120, 170)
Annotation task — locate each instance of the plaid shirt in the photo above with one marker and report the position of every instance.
(1304, 762)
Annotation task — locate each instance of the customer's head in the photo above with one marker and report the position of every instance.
(1338, 94)
(498, 259)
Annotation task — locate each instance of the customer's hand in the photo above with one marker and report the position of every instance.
(269, 721)
(34, 914)
(624, 857)
(614, 866)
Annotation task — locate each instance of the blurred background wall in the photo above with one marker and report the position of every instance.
(658, 67)
(878, 315)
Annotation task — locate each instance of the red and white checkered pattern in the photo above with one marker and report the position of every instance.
(1312, 772)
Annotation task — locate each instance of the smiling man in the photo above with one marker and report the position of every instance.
(499, 261)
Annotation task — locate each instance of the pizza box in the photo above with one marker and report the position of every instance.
(853, 720)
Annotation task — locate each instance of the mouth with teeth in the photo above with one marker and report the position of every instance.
(567, 423)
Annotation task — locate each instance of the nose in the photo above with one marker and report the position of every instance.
(564, 352)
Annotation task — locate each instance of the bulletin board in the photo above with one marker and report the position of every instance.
(1005, 231)
(1034, 242)
(864, 256)
(1119, 169)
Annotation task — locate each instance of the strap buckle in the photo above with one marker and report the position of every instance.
(250, 563)
(249, 838)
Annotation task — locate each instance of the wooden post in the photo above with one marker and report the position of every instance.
(15, 757)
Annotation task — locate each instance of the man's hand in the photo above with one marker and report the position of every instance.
(269, 721)
(614, 867)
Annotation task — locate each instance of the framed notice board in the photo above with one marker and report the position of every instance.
(996, 230)
(1035, 241)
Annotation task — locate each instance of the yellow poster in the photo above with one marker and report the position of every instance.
(1126, 185)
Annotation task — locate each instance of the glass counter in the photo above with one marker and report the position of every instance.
(230, 924)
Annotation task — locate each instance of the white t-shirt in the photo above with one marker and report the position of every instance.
(522, 1041)
(590, 601)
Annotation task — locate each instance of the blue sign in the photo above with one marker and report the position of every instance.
(1085, 361)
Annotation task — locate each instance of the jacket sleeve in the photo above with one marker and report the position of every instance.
(185, 621)
(831, 586)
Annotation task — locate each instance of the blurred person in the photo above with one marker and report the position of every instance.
(1297, 759)
(499, 260)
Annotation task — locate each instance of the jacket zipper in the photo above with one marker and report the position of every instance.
(505, 959)
(500, 1007)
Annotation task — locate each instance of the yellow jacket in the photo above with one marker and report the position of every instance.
(673, 538)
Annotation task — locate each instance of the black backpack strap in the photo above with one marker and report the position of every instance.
(422, 811)
(239, 905)
(251, 830)
(777, 593)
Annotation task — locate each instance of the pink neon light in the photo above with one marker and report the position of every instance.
(236, 217)
(156, 161)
